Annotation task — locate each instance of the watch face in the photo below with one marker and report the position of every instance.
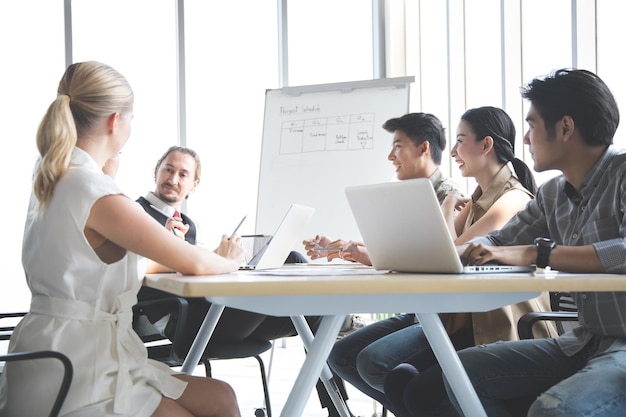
(544, 242)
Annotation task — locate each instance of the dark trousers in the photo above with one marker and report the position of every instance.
(234, 326)
(418, 383)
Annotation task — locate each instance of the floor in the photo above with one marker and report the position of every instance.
(243, 375)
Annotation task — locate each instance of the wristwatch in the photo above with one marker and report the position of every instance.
(544, 247)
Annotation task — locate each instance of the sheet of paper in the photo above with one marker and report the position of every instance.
(316, 271)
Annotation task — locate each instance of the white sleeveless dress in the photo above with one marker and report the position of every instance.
(81, 307)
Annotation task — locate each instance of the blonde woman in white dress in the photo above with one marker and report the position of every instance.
(85, 250)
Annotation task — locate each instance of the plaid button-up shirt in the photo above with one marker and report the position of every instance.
(595, 215)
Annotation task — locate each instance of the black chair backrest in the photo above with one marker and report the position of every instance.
(9, 321)
(564, 302)
(68, 370)
(564, 313)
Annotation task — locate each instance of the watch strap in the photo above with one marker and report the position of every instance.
(543, 256)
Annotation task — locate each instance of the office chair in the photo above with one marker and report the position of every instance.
(68, 370)
(6, 330)
(172, 352)
(564, 313)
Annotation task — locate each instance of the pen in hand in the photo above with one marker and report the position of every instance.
(168, 217)
(239, 225)
(337, 249)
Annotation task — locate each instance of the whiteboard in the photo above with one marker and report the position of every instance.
(319, 139)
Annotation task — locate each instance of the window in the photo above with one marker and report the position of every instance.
(329, 41)
(137, 38)
(32, 57)
(611, 33)
(232, 58)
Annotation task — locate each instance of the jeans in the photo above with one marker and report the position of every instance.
(535, 375)
(416, 388)
(365, 357)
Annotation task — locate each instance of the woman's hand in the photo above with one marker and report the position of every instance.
(231, 248)
(454, 201)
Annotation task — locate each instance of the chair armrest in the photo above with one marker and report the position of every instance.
(67, 374)
(6, 315)
(526, 322)
(173, 304)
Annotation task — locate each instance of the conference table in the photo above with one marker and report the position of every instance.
(334, 291)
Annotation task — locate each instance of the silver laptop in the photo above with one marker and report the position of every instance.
(276, 249)
(404, 230)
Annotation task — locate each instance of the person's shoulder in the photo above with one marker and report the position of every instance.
(514, 185)
(618, 159)
(83, 187)
(447, 185)
(611, 170)
(443, 187)
(84, 177)
(551, 184)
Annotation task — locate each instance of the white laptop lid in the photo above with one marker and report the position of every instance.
(277, 249)
(404, 229)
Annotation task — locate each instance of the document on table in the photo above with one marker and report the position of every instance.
(314, 271)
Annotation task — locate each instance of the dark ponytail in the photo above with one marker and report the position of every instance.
(524, 175)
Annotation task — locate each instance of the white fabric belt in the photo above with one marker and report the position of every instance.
(126, 341)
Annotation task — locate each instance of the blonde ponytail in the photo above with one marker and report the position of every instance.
(87, 93)
(56, 138)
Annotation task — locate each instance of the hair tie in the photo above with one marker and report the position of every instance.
(503, 139)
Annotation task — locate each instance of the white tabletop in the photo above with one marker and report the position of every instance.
(345, 279)
(336, 290)
(365, 290)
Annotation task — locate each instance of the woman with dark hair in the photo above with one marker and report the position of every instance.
(485, 144)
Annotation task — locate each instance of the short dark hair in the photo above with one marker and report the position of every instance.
(580, 94)
(184, 150)
(421, 127)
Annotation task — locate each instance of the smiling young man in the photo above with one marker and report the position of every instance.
(365, 357)
(576, 223)
(419, 140)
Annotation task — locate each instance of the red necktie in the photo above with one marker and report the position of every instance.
(176, 214)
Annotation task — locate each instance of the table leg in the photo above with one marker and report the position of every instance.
(316, 356)
(202, 338)
(305, 333)
(451, 365)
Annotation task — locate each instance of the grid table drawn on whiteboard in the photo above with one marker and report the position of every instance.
(319, 139)
(334, 133)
